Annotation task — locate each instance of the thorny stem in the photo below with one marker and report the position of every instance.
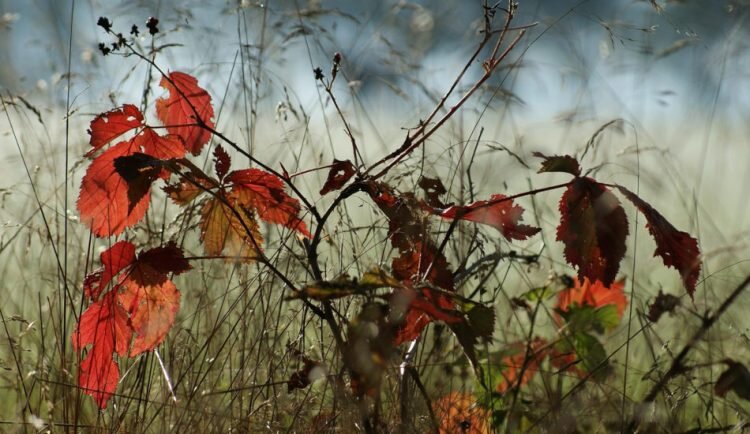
(355, 149)
(424, 123)
(422, 134)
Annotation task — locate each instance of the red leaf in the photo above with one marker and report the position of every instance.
(566, 360)
(264, 193)
(420, 260)
(341, 172)
(413, 266)
(104, 326)
(114, 260)
(222, 162)
(160, 147)
(594, 295)
(497, 212)
(422, 307)
(676, 248)
(423, 264)
(152, 301)
(513, 365)
(593, 227)
(112, 124)
(559, 163)
(178, 111)
(103, 201)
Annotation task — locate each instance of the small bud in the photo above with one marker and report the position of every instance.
(104, 49)
(318, 73)
(151, 23)
(104, 23)
(134, 30)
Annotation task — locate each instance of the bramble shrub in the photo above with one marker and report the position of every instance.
(376, 319)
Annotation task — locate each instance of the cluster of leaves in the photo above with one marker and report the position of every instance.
(131, 317)
(115, 194)
(134, 303)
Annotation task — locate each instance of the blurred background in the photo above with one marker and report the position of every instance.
(674, 72)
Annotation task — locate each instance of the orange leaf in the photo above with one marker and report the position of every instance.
(178, 111)
(594, 295)
(152, 301)
(459, 412)
(513, 365)
(223, 231)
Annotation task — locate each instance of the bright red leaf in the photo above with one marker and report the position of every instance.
(108, 203)
(103, 202)
(112, 124)
(497, 212)
(113, 260)
(104, 326)
(593, 227)
(676, 248)
(159, 147)
(141, 307)
(264, 194)
(178, 111)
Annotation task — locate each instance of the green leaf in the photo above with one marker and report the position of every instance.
(537, 294)
(589, 350)
(588, 318)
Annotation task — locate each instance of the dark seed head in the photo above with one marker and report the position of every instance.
(152, 23)
(104, 23)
